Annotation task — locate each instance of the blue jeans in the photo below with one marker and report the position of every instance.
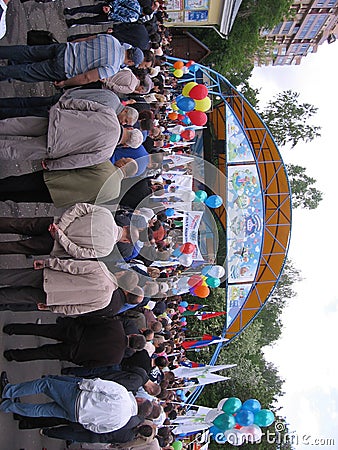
(34, 62)
(63, 390)
(26, 106)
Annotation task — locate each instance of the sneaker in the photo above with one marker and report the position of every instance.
(70, 23)
(8, 355)
(67, 11)
(8, 329)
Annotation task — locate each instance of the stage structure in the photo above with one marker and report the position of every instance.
(256, 214)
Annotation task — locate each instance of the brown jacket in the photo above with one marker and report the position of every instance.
(77, 287)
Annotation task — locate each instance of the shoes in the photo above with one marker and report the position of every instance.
(8, 329)
(68, 11)
(3, 381)
(8, 355)
(70, 23)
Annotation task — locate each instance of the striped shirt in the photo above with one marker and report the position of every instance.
(104, 53)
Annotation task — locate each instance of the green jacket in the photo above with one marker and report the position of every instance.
(95, 184)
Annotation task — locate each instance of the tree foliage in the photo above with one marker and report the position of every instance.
(304, 194)
(288, 119)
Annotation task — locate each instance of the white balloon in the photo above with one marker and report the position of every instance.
(216, 272)
(185, 260)
(186, 196)
(211, 415)
(221, 403)
(234, 437)
(251, 433)
(178, 129)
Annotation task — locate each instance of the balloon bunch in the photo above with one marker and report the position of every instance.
(191, 106)
(210, 278)
(214, 201)
(184, 253)
(238, 423)
(179, 68)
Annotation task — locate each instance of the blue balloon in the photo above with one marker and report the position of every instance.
(178, 98)
(214, 431)
(183, 319)
(194, 68)
(186, 120)
(205, 270)
(252, 405)
(184, 304)
(177, 252)
(186, 104)
(169, 212)
(245, 417)
(264, 418)
(214, 201)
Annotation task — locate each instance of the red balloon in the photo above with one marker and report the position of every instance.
(188, 134)
(190, 63)
(195, 280)
(187, 248)
(180, 116)
(198, 92)
(197, 118)
(202, 291)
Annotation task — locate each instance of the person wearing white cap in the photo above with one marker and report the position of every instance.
(95, 404)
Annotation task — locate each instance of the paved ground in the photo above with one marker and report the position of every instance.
(20, 19)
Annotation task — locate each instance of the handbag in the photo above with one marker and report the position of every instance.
(40, 37)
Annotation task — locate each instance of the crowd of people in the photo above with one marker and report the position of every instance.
(102, 145)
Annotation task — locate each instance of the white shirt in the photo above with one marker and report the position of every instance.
(104, 406)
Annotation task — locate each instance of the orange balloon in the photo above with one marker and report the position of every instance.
(179, 64)
(202, 291)
(173, 115)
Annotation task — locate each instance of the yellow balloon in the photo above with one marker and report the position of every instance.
(174, 107)
(203, 105)
(178, 73)
(187, 88)
(204, 283)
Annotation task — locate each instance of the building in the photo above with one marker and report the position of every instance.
(311, 23)
(206, 13)
(187, 46)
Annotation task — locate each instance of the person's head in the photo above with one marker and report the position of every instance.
(152, 388)
(130, 234)
(145, 430)
(148, 334)
(128, 116)
(156, 411)
(131, 137)
(136, 341)
(146, 84)
(128, 166)
(156, 326)
(153, 272)
(169, 376)
(150, 288)
(148, 60)
(135, 297)
(133, 57)
(144, 407)
(127, 278)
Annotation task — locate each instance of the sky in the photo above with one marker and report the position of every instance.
(306, 355)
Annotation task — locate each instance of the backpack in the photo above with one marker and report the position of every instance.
(40, 37)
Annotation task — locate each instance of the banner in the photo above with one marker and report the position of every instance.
(191, 223)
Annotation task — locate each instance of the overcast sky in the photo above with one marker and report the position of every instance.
(306, 355)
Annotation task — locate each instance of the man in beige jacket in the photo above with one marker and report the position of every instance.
(83, 231)
(61, 286)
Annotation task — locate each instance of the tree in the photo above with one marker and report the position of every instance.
(304, 195)
(287, 119)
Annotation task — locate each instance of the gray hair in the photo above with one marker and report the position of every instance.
(134, 139)
(132, 114)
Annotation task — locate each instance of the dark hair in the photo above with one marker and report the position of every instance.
(145, 408)
(147, 333)
(146, 124)
(149, 56)
(161, 361)
(145, 430)
(172, 415)
(137, 341)
(146, 114)
(160, 348)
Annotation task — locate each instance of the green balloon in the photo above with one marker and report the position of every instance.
(264, 418)
(177, 445)
(224, 422)
(232, 405)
